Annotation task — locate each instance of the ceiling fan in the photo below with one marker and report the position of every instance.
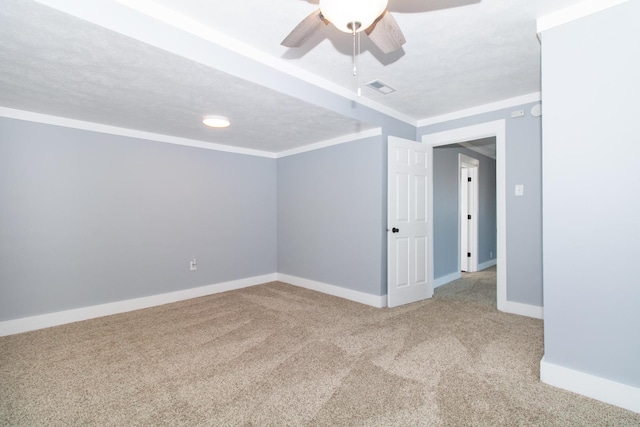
(351, 16)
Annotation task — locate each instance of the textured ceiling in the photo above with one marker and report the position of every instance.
(459, 54)
(60, 65)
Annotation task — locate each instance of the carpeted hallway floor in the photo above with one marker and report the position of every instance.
(276, 355)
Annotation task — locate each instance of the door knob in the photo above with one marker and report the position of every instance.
(395, 230)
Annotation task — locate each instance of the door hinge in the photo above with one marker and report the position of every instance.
(468, 254)
(469, 179)
(468, 216)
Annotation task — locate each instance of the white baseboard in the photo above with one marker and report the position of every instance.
(443, 280)
(25, 324)
(513, 307)
(485, 265)
(598, 388)
(337, 291)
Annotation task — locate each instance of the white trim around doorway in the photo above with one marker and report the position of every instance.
(495, 129)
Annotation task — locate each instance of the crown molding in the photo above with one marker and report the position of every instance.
(574, 12)
(156, 137)
(481, 109)
(329, 142)
(131, 133)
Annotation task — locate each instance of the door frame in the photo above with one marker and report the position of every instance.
(471, 164)
(495, 129)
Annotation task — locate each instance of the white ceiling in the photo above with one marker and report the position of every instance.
(108, 62)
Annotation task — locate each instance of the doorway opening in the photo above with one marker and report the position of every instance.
(497, 130)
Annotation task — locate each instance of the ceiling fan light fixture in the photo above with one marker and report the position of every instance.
(216, 121)
(343, 13)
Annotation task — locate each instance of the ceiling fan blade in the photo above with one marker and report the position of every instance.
(385, 33)
(305, 29)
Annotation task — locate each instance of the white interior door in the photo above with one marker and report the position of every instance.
(469, 211)
(472, 223)
(409, 242)
(464, 218)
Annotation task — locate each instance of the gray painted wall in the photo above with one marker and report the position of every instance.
(487, 226)
(88, 218)
(591, 203)
(524, 214)
(332, 214)
(446, 200)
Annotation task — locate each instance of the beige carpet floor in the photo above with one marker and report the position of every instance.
(278, 355)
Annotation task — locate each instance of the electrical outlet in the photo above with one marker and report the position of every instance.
(193, 264)
(490, 255)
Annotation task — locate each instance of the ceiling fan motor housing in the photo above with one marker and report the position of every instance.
(344, 13)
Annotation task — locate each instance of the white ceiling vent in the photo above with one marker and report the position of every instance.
(381, 87)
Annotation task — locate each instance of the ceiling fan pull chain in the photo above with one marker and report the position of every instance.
(355, 65)
(356, 53)
(358, 77)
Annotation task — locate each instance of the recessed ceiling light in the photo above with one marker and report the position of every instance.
(216, 121)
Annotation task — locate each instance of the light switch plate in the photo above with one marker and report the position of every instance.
(519, 190)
